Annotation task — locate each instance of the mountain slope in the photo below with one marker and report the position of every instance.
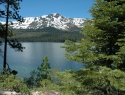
(52, 20)
(47, 34)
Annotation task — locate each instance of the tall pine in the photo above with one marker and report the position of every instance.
(103, 43)
(9, 10)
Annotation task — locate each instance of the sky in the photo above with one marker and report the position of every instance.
(68, 8)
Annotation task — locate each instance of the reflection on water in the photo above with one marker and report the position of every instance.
(33, 54)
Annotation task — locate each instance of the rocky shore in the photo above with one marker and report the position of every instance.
(51, 92)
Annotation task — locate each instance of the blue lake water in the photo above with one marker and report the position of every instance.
(32, 57)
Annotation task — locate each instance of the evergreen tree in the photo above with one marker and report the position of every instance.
(102, 46)
(9, 11)
(42, 73)
(104, 36)
(44, 69)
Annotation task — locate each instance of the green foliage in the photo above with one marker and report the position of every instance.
(14, 6)
(45, 35)
(10, 83)
(102, 50)
(97, 80)
(67, 83)
(13, 9)
(9, 10)
(45, 82)
(100, 80)
(42, 73)
(103, 42)
(32, 81)
(64, 82)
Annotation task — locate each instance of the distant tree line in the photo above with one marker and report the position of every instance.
(45, 35)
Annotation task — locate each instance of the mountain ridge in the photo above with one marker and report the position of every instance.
(51, 20)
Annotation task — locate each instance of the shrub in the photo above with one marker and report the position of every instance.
(9, 82)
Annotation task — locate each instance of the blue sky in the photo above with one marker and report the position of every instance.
(68, 8)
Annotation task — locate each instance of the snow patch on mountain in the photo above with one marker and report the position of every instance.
(52, 20)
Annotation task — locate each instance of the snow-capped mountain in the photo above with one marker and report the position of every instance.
(52, 20)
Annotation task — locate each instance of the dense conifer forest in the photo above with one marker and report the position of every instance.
(45, 35)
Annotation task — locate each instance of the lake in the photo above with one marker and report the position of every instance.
(33, 54)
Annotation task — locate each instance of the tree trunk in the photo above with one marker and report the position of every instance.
(5, 45)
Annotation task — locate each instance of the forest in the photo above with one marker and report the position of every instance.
(48, 34)
(101, 49)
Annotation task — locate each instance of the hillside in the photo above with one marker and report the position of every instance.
(49, 34)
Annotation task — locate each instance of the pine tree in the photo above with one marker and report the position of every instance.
(9, 11)
(104, 36)
(44, 69)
